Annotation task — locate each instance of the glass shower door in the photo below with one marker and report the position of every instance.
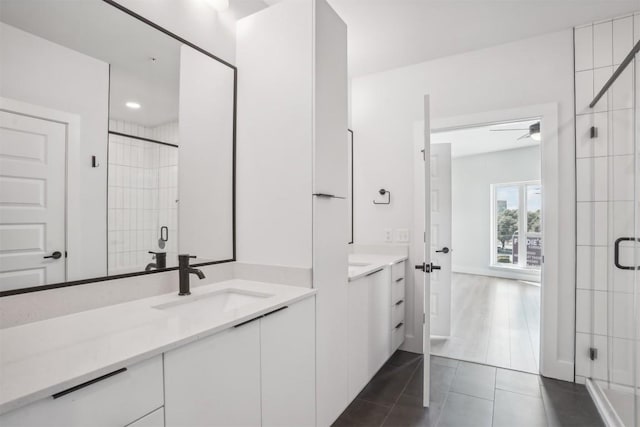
(608, 302)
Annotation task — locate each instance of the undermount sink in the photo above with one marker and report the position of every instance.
(358, 264)
(220, 301)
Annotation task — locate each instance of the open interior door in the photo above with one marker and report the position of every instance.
(439, 197)
(426, 266)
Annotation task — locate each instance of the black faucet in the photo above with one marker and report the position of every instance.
(161, 261)
(185, 271)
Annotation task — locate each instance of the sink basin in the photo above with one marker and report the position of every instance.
(220, 301)
(358, 264)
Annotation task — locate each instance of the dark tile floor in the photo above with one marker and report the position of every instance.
(466, 394)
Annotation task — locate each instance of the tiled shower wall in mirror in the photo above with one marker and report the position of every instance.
(142, 195)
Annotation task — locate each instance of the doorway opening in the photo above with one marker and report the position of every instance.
(486, 235)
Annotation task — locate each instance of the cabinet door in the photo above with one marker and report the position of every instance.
(215, 381)
(288, 359)
(379, 320)
(358, 333)
(113, 401)
(330, 269)
(330, 113)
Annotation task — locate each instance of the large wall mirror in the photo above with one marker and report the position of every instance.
(117, 146)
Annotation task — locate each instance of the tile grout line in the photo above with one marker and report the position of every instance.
(402, 391)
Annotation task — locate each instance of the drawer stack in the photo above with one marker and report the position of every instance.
(397, 304)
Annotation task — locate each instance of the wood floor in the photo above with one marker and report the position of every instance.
(493, 321)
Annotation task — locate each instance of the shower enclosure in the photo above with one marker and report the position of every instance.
(608, 253)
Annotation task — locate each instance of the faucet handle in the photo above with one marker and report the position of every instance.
(186, 256)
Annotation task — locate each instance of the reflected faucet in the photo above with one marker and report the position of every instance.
(185, 271)
(161, 261)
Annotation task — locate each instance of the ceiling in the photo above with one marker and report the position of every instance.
(386, 34)
(482, 139)
(101, 31)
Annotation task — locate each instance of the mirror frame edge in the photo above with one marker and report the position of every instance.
(98, 279)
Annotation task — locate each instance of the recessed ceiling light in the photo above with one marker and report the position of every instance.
(133, 105)
(219, 5)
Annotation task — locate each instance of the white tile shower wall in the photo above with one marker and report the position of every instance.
(605, 194)
(142, 196)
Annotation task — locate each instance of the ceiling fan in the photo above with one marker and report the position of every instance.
(533, 131)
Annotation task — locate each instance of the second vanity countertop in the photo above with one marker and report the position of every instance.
(42, 358)
(368, 263)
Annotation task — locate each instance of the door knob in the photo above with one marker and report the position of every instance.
(444, 250)
(55, 255)
(428, 268)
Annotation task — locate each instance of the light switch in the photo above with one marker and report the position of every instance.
(402, 235)
(388, 235)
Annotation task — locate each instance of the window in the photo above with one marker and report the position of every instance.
(516, 225)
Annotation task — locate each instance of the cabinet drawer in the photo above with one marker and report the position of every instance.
(117, 400)
(397, 271)
(154, 419)
(397, 313)
(397, 290)
(397, 336)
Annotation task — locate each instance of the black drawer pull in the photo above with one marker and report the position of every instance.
(400, 279)
(276, 310)
(374, 272)
(399, 325)
(247, 321)
(400, 302)
(88, 383)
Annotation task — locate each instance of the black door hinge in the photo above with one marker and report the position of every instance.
(593, 353)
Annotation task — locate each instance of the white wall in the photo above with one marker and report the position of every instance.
(471, 178)
(45, 74)
(386, 105)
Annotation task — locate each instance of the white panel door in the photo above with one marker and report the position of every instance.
(32, 201)
(440, 172)
(426, 266)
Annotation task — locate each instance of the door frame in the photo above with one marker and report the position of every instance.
(73, 241)
(557, 324)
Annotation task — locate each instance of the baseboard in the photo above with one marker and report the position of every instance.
(604, 406)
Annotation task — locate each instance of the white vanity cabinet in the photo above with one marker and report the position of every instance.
(261, 372)
(369, 317)
(288, 362)
(398, 305)
(117, 400)
(358, 348)
(215, 381)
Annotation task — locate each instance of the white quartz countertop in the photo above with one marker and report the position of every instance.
(362, 264)
(43, 358)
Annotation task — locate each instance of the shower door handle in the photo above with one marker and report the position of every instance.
(616, 252)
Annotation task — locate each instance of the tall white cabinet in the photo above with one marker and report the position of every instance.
(292, 166)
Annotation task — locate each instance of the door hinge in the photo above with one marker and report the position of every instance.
(593, 132)
(424, 318)
(593, 353)
(423, 155)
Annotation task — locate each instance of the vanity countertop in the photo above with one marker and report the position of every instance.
(372, 261)
(42, 358)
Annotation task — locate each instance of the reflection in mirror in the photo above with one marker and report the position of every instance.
(104, 121)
